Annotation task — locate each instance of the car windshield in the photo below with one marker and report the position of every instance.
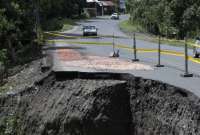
(89, 27)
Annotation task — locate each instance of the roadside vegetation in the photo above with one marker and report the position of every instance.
(128, 27)
(68, 24)
(59, 24)
(22, 24)
(172, 19)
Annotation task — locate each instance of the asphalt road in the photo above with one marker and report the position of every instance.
(174, 66)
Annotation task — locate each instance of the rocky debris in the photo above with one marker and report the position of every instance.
(46, 63)
(119, 104)
(23, 77)
(74, 107)
(161, 109)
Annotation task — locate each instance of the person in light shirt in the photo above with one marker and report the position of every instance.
(196, 49)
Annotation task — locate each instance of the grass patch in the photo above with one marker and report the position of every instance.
(141, 34)
(10, 125)
(68, 24)
(197, 59)
(129, 27)
(58, 24)
(3, 89)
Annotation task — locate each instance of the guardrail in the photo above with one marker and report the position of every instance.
(134, 48)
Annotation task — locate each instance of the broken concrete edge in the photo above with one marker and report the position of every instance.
(62, 75)
(117, 76)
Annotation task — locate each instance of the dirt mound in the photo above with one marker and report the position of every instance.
(97, 104)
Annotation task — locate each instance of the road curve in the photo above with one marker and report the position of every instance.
(174, 66)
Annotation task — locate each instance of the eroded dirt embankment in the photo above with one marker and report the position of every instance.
(100, 104)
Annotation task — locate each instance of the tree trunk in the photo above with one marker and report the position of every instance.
(11, 51)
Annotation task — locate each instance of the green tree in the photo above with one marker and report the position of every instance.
(18, 19)
(166, 16)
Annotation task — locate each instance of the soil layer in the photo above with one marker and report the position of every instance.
(76, 103)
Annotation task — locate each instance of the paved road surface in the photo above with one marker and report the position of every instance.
(174, 66)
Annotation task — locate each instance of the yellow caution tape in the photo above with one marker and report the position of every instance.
(81, 43)
(59, 35)
(73, 37)
(140, 50)
(181, 41)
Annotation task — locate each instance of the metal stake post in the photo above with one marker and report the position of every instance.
(159, 53)
(113, 42)
(186, 74)
(134, 49)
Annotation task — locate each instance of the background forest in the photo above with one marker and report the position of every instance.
(20, 21)
(171, 18)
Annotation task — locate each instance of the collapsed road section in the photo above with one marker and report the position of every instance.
(74, 103)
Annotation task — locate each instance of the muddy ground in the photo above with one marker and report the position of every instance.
(99, 104)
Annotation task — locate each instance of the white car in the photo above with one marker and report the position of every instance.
(196, 52)
(196, 49)
(115, 16)
(89, 31)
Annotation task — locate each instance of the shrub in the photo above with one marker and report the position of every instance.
(3, 56)
(52, 25)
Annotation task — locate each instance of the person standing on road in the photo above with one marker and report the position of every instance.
(196, 49)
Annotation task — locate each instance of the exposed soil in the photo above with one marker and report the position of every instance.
(69, 55)
(100, 104)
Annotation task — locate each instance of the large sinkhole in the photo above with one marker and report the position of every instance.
(99, 104)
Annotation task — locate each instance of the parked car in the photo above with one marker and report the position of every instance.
(89, 31)
(196, 49)
(115, 16)
(196, 52)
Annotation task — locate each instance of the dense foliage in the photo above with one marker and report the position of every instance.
(169, 17)
(18, 19)
(16, 27)
(53, 10)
